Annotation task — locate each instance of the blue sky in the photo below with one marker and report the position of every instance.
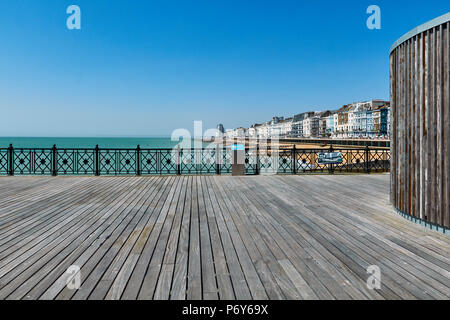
(143, 68)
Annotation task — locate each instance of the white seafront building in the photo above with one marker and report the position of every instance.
(369, 119)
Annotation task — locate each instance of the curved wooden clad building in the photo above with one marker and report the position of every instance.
(420, 138)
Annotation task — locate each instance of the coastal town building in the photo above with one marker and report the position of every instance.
(264, 130)
(252, 131)
(323, 127)
(311, 127)
(220, 128)
(323, 123)
(241, 132)
(229, 133)
(380, 122)
(297, 124)
(341, 122)
(275, 127)
(329, 125)
(388, 122)
(286, 127)
(357, 120)
(368, 120)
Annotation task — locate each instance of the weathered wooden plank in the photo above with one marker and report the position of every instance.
(225, 287)
(254, 282)
(306, 225)
(158, 242)
(270, 233)
(163, 289)
(278, 237)
(50, 287)
(118, 252)
(194, 284)
(108, 237)
(300, 258)
(108, 196)
(209, 283)
(165, 220)
(240, 286)
(46, 227)
(266, 265)
(54, 253)
(179, 282)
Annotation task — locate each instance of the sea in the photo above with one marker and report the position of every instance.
(109, 142)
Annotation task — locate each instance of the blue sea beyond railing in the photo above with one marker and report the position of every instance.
(88, 142)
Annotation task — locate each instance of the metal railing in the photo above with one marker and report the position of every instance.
(106, 161)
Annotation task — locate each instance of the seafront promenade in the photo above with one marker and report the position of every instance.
(214, 237)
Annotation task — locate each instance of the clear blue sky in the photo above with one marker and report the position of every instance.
(143, 68)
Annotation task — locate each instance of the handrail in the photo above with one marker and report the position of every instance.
(148, 161)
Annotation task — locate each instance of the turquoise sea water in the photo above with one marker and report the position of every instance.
(34, 142)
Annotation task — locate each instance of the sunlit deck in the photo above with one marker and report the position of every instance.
(214, 237)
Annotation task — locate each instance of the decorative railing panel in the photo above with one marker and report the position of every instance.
(75, 162)
(227, 161)
(98, 161)
(307, 162)
(251, 162)
(32, 161)
(121, 162)
(4, 162)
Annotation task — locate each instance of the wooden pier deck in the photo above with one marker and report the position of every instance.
(214, 237)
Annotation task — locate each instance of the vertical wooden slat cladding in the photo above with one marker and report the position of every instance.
(447, 126)
(416, 128)
(420, 137)
(393, 143)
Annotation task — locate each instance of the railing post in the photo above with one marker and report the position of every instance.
(217, 160)
(257, 159)
(138, 160)
(10, 160)
(366, 159)
(97, 160)
(387, 162)
(331, 167)
(179, 160)
(294, 158)
(54, 161)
